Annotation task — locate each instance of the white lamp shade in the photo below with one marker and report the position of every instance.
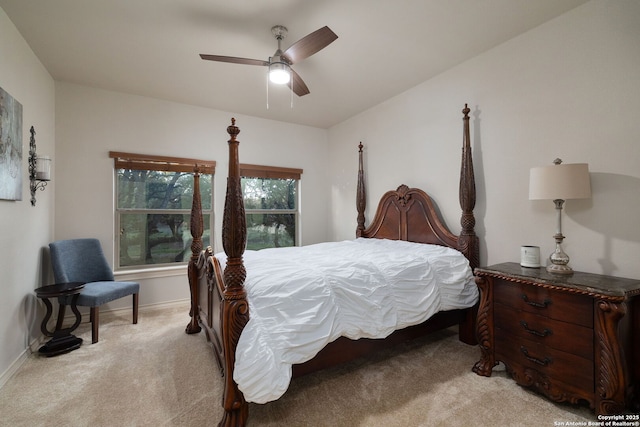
(279, 73)
(560, 181)
(43, 168)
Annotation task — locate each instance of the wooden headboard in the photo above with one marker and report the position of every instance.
(409, 214)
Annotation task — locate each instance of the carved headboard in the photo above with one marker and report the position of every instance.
(409, 214)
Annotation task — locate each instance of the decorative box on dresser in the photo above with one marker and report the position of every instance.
(571, 337)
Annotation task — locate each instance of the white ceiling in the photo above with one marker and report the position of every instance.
(152, 47)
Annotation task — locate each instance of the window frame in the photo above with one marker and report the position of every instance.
(148, 162)
(276, 172)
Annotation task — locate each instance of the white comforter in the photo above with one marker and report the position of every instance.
(302, 298)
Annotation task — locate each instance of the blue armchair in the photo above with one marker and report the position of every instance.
(82, 260)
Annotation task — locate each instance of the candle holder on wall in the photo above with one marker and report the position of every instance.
(39, 168)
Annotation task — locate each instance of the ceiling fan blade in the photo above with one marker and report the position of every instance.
(309, 45)
(234, 60)
(299, 86)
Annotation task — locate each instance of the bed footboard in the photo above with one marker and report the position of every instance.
(209, 293)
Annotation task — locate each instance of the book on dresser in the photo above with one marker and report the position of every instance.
(574, 338)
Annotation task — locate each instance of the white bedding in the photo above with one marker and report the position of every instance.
(302, 298)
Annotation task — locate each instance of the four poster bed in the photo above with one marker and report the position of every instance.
(227, 300)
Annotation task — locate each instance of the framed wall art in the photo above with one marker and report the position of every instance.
(10, 147)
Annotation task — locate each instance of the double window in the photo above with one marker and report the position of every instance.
(271, 205)
(153, 200)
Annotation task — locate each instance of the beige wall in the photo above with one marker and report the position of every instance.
(568, 89)
(25, 230)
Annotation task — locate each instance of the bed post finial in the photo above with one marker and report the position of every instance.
(233, 130)
(235, 308)
(361, 197)
(468, 241)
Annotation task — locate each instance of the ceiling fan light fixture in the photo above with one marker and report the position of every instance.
(279, 73)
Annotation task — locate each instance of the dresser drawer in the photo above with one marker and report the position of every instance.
(551, 363)
(546, 302)
(563, 336)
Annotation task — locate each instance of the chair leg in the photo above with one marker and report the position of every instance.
(135, 308)
(61, 310)
(95, 320)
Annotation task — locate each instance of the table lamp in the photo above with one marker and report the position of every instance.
(559, 182)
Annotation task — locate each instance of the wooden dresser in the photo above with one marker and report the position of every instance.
(574, 338)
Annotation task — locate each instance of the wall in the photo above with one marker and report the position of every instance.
(24, 230)
(92, 122)
(568, 89)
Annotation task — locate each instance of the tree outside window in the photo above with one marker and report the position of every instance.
(271, 205)
(153, 210)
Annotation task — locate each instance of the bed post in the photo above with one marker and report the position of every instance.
(196, 247)
(468, 242)
(235, 309)
(361, 197)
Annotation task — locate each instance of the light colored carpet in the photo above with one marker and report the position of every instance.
(153, 374)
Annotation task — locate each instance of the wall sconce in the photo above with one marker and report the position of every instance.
(39, 168)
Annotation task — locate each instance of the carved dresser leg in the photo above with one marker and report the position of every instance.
(484, 327)
(611, 375)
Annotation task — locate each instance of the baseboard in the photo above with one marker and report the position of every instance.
(33, 346)
(17, 364)
(166, 304)
(117, 311)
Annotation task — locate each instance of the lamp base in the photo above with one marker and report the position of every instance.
(559, 259)
(559, 269)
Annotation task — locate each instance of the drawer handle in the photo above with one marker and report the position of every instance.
(544, 333)
(543, 304)
(543, 362)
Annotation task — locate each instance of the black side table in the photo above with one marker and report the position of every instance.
(62, 341)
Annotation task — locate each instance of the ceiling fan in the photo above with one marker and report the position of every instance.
(279, 64)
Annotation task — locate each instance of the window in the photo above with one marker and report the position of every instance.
(153, 208)
(271, 205)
